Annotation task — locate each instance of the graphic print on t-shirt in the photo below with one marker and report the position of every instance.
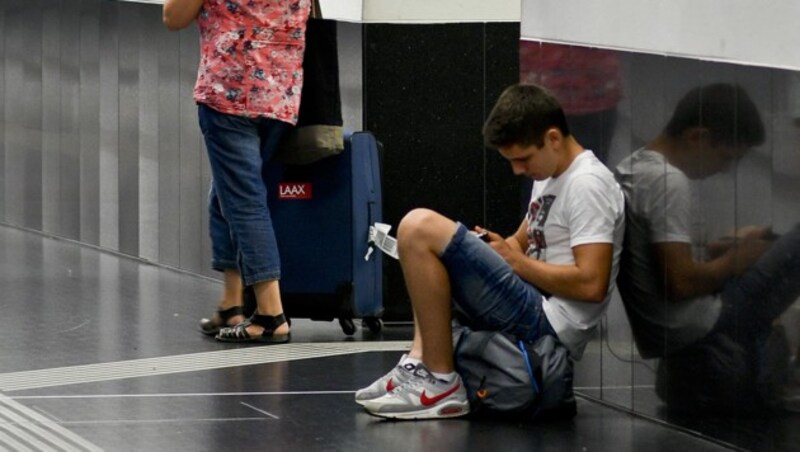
(539, 210)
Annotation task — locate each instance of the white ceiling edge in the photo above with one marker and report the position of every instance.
(437, 11)
(664, 54)
(737, 31)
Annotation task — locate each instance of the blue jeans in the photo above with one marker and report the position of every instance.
(736, 354)
(487, 294)
(240, 226)
(752, 301)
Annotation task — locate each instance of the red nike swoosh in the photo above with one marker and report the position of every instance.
(430, 401)
(389, 386)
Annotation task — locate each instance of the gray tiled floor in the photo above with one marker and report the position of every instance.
(102, 352)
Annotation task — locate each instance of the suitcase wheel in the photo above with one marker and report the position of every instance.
(373, 323)
(348, 326)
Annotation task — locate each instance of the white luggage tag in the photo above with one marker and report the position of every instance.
(379, 237)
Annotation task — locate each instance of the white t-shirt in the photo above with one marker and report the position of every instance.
(582, 205)
(659, 211)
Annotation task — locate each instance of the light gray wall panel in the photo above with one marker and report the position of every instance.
(3, 62)
(150, 27)
(351, 69)
(204, 242)
(24, 175)
(70, 165)
(32, 169)
(51, 117)
(109, 125)
(90, 123)
(14, 98)
(169, 150)
(194, 236)
(129, 208)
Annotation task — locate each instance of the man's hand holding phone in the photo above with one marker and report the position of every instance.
(483, 235)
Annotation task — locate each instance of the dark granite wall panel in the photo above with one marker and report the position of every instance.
(501, 188)
(428, 89)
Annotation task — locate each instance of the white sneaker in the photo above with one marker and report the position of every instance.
(386, 384)
(422, 396)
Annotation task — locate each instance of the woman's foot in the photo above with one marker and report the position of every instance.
(222, 318)
(255, 329)
(258, 328)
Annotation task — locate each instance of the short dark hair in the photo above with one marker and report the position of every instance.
(522, 115)
(724, 109)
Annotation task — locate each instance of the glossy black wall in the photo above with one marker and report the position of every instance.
(427, 91)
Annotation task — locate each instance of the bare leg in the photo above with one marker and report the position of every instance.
(231, 295)
(232, 292)
(416, 344)
(422, 236)
(228, 311)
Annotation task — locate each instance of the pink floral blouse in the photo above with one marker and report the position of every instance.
(251, 55)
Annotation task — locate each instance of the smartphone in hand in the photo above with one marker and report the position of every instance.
(483, 236)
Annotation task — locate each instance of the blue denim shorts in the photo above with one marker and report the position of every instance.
(487, 294)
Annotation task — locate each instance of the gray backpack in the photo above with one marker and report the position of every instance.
(508, 377)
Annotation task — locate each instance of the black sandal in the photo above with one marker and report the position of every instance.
(270, 323)
(211, 327)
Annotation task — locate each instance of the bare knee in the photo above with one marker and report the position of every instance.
(414, 223)
(426, 229)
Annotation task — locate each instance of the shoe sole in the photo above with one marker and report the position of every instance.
(444, 411)
(268, 340)
(364, 402)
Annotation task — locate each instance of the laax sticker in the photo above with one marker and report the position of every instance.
(295, 190)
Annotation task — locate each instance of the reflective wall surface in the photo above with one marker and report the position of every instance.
(99, 143)
(705, 330)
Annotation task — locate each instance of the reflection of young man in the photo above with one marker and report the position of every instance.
(567, 246)
(713, 315)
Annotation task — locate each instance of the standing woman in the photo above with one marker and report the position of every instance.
(248, 94)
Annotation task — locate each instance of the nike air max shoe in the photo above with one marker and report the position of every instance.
(386, 384)
(422, 396)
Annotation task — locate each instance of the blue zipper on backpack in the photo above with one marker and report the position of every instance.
(524, 351)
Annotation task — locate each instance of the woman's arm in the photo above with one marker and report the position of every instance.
(178, 14)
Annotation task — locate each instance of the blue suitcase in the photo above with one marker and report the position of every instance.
(322, 213)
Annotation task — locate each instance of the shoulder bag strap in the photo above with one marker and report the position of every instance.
(316, 11)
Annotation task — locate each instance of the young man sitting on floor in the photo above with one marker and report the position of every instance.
(553, 276)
